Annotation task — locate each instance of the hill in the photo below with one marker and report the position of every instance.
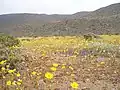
(105, 20)
(110, 10)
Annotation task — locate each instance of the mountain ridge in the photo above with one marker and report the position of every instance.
(105, 20)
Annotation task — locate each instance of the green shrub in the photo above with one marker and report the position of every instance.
(8, 41)
(104, 49)
(8, 50)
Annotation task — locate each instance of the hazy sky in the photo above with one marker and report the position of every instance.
(52, 6)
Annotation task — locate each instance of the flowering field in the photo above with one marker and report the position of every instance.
(65, 63)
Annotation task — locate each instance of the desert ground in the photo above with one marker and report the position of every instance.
(65, 63)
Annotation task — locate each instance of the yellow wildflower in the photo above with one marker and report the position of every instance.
(48, 75)
(18, 83)
(3, 68)
(43, 54)
(18, 74)
(74, 85)
(8, 83)
(55, 64)
(63, 67)
(53, 68)
(102, 63)
(34, 73)
(14, 83)
(11, 71)
(20, 80)
(2, 62)
(14, 70)
(71, 67)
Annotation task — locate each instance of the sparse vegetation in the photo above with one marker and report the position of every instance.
(57, 54)
(68, 63)
(9, 59)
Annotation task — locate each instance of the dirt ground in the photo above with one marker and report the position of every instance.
(87, 71)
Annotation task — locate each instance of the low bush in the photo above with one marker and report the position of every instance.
(8, 41)
(9, 51)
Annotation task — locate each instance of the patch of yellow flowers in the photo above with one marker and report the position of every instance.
(74, 85)
(102, 63)
(18, 75)
(11, 71)
(53, 68)
(19, 82)
(49, 75)
(3, 61)
(63, 67)
(8, 83)
(55, 64)
(71, 67)
(34, 73)
(3, 69)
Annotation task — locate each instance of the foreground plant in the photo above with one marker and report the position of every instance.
(74, 85)
(49, 75)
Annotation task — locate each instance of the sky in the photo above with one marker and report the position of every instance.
(52, 6)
